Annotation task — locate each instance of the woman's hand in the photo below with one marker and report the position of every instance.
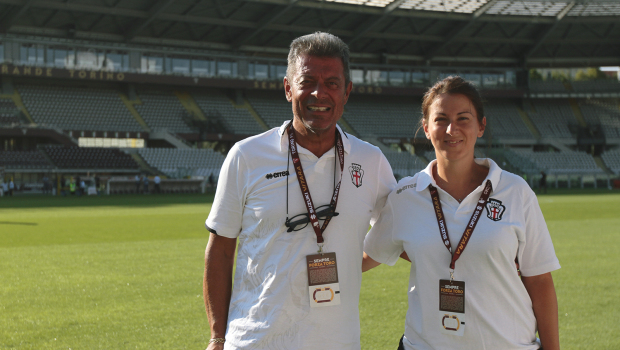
(368, 263)
(545, 305)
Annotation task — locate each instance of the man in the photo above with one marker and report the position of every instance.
(138, 183)
(146, 184)
(268, 184)
(157, 181)
(543, 182)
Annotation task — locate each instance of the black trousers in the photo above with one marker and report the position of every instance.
(400, 344)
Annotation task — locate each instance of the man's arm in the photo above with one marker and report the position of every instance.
(217, 284)
(545, 305)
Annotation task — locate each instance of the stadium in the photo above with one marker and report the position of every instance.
(114, 93)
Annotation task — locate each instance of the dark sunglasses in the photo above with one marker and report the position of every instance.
(299, 222)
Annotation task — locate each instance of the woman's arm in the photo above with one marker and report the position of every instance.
(369, 263)
(545, 305)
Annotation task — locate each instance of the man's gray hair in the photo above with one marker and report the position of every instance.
(318, 44)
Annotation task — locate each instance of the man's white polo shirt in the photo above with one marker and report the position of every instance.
(498, 308)
(270, 308)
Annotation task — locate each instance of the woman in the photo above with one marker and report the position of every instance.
(467, 227)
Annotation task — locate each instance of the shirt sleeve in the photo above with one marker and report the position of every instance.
(536, 254)
(385, 184)
(226, 214)
(379, 243)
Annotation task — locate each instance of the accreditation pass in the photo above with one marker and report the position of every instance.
(452, 307)
(323, 283)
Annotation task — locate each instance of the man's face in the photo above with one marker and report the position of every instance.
(318, 92)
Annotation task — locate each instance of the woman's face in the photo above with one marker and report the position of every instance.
(453, 127)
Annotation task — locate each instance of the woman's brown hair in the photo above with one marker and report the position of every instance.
(452, 85)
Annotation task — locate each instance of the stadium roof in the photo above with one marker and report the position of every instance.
(541, 33)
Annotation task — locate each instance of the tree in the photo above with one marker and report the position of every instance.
(590, 74)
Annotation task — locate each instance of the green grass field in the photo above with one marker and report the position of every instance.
(125, 272)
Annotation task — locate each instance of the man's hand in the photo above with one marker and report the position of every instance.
(217, 284)
(215, 346)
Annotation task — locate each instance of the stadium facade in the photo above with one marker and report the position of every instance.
(117, 88)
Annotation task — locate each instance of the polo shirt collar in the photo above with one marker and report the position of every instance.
(425, 177)
(282, 132)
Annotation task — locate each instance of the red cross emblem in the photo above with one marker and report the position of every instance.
(357, 173)
(495, 209)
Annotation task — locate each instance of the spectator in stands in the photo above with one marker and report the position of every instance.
(72, 186)
(5, 188)
(211, 182)
(457, 194)
(11, 187)
(146, 184)
(46, 184)
(543, 182)
(82, 187)
(97, 184)
(78, 181)
(157, 181)
(138, 183)
(259, 201)
(63, 185)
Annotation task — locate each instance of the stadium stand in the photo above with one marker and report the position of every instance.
(557, 162)
(602, 112)
(102, 86)
(552, 117)
(272, 107)
(404, 163)
(8, 113)
(430, 155)
(71, 108)
(504, 121)
(547, 86)
(521, 162)
(385, 116)
(183, 162)
(24, 160)
(598, 85)
(90, 158)
(239, 121)
(612, 160)
(162, 110)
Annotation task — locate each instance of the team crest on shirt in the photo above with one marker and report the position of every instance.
(495, 209)
(356, 174)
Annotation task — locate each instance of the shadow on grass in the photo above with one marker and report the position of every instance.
(18, 223)
(129, 200)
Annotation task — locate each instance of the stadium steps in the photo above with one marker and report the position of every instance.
(375, 141)
(574, 105)
(601, 164)
(560, 146)
(423, 156)
(347, 127)
(17, 100)
(190, 105)
(130, 106)
(170, 138)
(144, 167)
(41, 150)
(528, 122)
(247, 106)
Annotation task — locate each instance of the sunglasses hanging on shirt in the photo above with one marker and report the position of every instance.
(324, 212)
